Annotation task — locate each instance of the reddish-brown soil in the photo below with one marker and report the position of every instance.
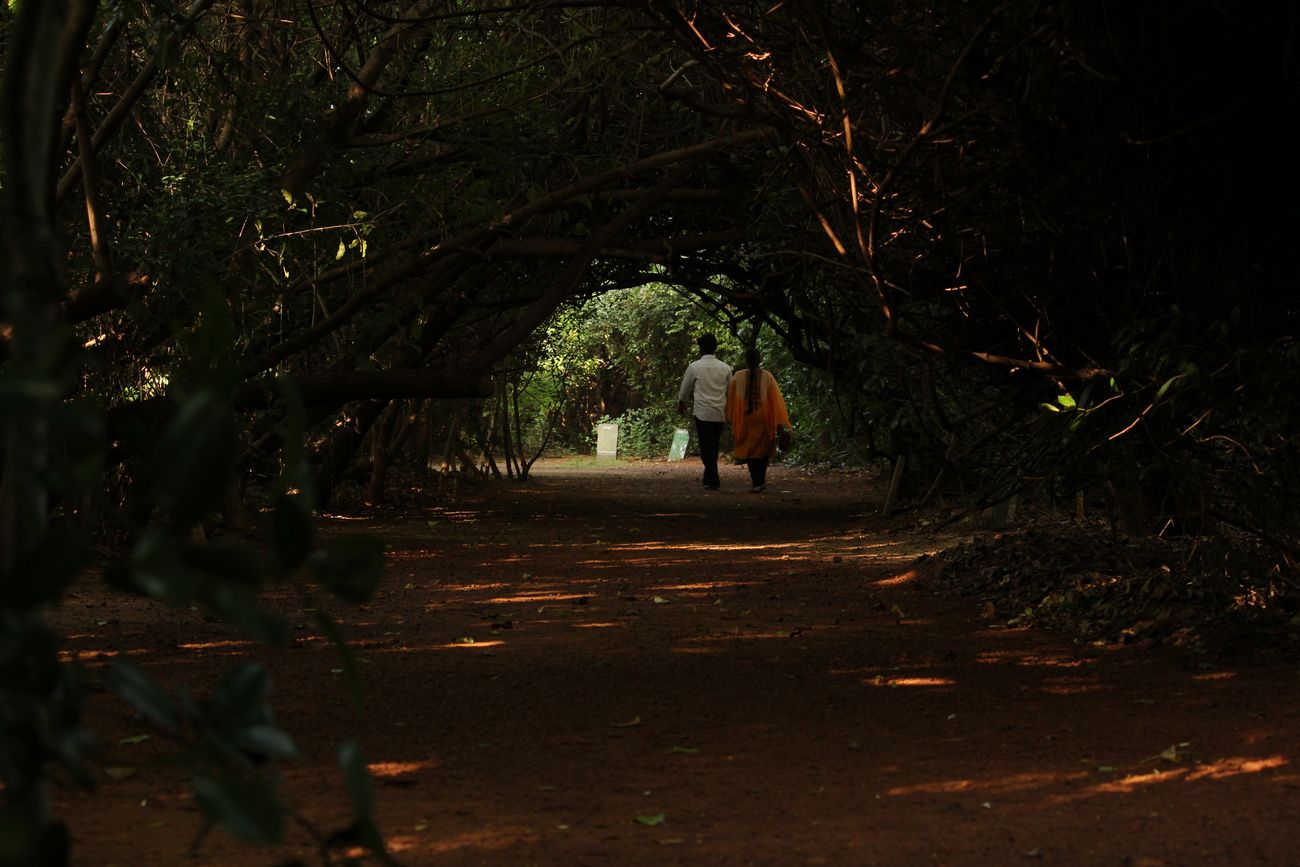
(771, 674)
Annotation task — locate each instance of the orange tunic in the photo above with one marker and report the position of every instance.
(755, 432)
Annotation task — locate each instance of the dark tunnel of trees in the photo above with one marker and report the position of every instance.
(258, 250)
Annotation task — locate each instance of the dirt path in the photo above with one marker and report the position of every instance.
(766, 674)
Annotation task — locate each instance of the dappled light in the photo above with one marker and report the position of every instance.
(384, 770)
(527, 699)
(487, 839)
(910, 681)
(642, 433)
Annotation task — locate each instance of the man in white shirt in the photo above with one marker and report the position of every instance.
(705, 384)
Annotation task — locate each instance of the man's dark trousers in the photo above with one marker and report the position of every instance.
(709, 433)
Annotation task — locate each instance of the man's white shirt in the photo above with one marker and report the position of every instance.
(705, 382)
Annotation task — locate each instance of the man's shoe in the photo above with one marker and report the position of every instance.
(758, 489)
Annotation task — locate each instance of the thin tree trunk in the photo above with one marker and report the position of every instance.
(381, 451)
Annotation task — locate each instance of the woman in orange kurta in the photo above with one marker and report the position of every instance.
(755, 411)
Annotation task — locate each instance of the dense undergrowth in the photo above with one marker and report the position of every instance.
(1215, 597)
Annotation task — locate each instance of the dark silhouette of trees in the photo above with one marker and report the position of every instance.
(1043, 249)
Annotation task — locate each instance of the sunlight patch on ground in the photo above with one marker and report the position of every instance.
(1215, 675)
(705, 585)
(215, 645)
(1133, 781)
(702, 546)
(86, 655)
(1012, 783)
(910, 681)
(469, 645)
(630, 563)
(473, 588)
(397, 769)
(903, 578)
(479, 838)
(1015, 657)
(536, 596)
(605, 624)
(352, 518)
(1236, 766)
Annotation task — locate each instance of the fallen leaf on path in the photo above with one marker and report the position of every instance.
(119, 773)
(656, 819)
(134, 739)
(690, 751)
(659, 600)
(1170, 755)
(634, 721)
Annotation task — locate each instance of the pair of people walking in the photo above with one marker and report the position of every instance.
(748, 399)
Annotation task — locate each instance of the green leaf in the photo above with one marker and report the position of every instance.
(341, 251)
(690, 751)
(267, 740)
(288, 196)
(40, 574)
(137, 690)
(350, 567)
(293, 532)
(656, 819)
(194, 459)
(242, 692)
(356, 778)
(351, 671)
(134, 739)
(1066, 401)
(250, 808)
(1167, 385)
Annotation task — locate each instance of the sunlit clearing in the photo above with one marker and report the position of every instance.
(396, 769)
(897, 579)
